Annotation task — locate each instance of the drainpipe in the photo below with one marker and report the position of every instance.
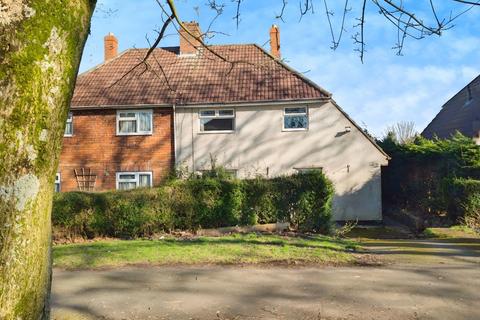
(174, 137)
(193, 137)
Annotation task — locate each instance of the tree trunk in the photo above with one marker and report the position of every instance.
(41, 42)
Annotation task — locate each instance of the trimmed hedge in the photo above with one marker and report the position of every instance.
(304, 200)
(466, 201)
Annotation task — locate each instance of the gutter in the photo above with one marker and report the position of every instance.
(255, 104)
(206, 105)
(116, 107)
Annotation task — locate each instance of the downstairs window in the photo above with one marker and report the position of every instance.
(133, 180)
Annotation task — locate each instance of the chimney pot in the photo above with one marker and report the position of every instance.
(111, 46)
(275, 41)
(188, 44)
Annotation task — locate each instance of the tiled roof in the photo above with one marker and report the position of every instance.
(249, 75)
(461, 113)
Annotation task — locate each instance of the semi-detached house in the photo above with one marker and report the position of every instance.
(239, 106)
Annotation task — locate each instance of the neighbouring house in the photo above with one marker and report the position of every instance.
(461, 113)
(238, 106)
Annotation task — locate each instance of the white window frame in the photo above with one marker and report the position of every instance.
(138, 133)
(69, 121)
(308, 169)
(136, 179)
(306, 113)
(232, 172)
(216, 116)
(58, 180)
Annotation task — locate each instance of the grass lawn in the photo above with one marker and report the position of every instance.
(377, 232)
(233, 249)
(452, 232)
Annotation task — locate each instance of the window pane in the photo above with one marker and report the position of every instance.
(127, 114)
(69, 129)
(126, 176)
(144, 180)
(127, 126)
(295, 110)
(207, 113)
(231, 172)
(225, 112)
(216, 124)
(70, 117)
(295, 122)
(126, 185)
(57, 182)
(145, 121)
(309, 170)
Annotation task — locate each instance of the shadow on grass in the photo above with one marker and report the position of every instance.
(309, 242)
(460, 250)
(229, 249)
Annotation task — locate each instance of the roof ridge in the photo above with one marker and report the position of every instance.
(232, 44)
(210, 45)
(458, 92)
(295, 72)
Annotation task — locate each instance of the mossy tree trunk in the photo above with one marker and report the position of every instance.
(41, 42)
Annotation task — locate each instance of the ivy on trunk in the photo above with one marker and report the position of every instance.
(41, 43)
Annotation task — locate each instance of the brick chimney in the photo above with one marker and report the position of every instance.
(111, 46)
(188, 44)
(275, 41)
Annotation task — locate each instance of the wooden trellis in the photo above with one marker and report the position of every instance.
(85, 179)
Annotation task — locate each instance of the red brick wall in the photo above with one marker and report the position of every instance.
(96, 146)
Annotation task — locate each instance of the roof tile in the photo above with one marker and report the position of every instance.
(249, 74)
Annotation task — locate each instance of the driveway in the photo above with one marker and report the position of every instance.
(420, 280)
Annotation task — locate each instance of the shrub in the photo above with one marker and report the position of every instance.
(259, 203)
(425, 177)
(466, 201)
(305, 200)
(209, 201)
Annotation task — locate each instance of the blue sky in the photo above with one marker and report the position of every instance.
(383, 90)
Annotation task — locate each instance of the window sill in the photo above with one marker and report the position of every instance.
(217, 132)
(134, 134)
(294, 130)
(68, 135)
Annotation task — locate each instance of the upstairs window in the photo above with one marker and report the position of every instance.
(295, 119)
(221, 120)
(134, 122)
(133, 180)
(57, 182)
(69, 126)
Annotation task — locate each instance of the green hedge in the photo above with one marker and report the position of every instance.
(197, 202)
(435, 178)
(465, 201)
